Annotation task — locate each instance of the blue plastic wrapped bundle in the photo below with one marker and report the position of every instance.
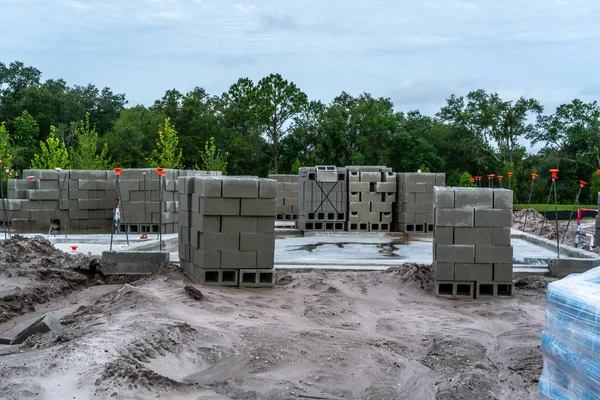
(571, 340)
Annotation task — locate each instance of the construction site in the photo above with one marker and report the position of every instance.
(354, 282)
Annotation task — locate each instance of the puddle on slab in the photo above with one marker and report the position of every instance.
(385, 249)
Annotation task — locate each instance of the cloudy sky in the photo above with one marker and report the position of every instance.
(415, 51)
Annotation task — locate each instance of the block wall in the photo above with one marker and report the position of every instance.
(413, 210)
(472, 251)
(227, 230)
(322, 198)
(597, 233)
(371, 195)
(287, 197)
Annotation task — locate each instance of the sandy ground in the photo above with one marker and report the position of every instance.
(316, 335)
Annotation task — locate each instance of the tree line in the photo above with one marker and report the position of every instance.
(271, 126)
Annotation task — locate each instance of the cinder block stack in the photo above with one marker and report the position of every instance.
(322, 198)
(472, 252)
(227, 230)
(371, 195)
(597, 236)
(287, 196)
(413, 210)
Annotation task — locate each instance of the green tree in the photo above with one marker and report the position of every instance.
(465, 180)
(594, 188)
(85, 153)
(166, 153)
(53, 153)
(213, 159)
(25, 138)
(6, 155)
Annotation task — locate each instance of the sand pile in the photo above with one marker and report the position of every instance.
(535, 222)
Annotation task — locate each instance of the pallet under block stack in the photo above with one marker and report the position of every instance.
(472, 252)
(287, 197)
(413, 210)
(227, 230)
(371, 195)
(322, 198)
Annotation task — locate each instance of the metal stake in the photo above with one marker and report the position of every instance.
(533, 176)
(581, 185)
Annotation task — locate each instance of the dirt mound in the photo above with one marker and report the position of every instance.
(421, 275)
(534, 282)
(38, 271)
(536, 223)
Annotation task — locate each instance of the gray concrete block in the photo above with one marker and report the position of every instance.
(444, 271)
(411, 198)
(221, 206)
(503, 199)
(416, 208)
(268, 189)
(354, 197)
(257, 242)
(370, 176)
(240, 188)
(47, 323)
(216, 277)
(388, 177)
(185, 184)
(480, 198)
(257, 278)
(133, 262)
(408, 187)
(493, 218)
(443, 197)
(500, 236)
(424, 177)
(455, 289)
(265, 259)
(368, 197)
(406, 217)
(455, 217)
(440, 178)
(494, 254)
(443, 235)
(87, 204)
(238, 259)
(476, 236)
(231, 224)
(455, 253)
(205, 223)
(210, 187)
(266, 225)
(389, 197)
(381, 207)
(359, 186)
(503, 272)
(219, 241)
(385, 187)
(473, 272)
(206, 259)
(258, 207)
(424, 219)
(424, 198)
(87, 184)
(359, 207)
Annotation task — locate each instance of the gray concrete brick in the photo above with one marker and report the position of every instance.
(208, 224)
(473, 272)
(209, 187)
(221, 206)
(503, 272)
(219, 241)
(370, 176)
(359, 186)
(455, 217)
(205, 259)
(443, 235)
(443, 197)
(240, 188)
(238, 259)
(87, 184)
(444, 271)
(494, 254)
(385, 187)
(381, 207)
(413, 187)
(360, 207)
(424, 219)
(409, 197)
(424, 198)
(265, 259)
(388, 177)
(455, 253)
(493, 218)
(186, 184)
(417, 208)
(258, 207)
(406, 217)
(503, 199)
(257, 241)
(500, 236)
(230, 224)
(268, 189)
(425, 177)
(440, 178)
(476, 236)
(371, 197)
(479, 198)
(257, 278)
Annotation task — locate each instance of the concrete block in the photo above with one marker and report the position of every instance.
(444, 271)
(217, 277)
(370, 176)
(503, 272)
(410, 198)
(440, 178)
(385, 217)
(475, 236)
(503, 199)
(406, 217)
(209, 187)
(353, 176)
(268, 189)
(207, 224)
(455, 253)
(480, 198)
(87, 184)
(354, 197)
(240, 188)
(493, 218)
(500, 236)
(371, 197)
(381, 207)
(238, 259)
(494, 289)
(455, 217)
(133, 262)
(443, 197)
(416, 208)
(424, 198)
(455, 289)
(444, 235)
(385, 187)
(47, 323)
(219, 241)
(388, 177)
(87, 204)
(257, 241)
(494, 254)
(221, 206)
(258, 207)
(185, 184)
(413, 187)
(265, 259)
(424, 177)
(389, 197)
(231, 224)
(424, 219)
(359, 207)
(257, 278)
(473, 272)
(359, 186)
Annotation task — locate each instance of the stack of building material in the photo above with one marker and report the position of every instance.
(287, 196)
(413, 210)
(227, 230)
(322, 198)
(371, 195)
(570, 341)
(472, 252)
(597, 236)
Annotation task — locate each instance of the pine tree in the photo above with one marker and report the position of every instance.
(212, 158)
(166, 153)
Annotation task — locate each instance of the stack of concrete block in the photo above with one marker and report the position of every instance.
(597, 237)
(371, 195)
(227, 230)
(413, 210)
(473, 256)
(287, 196)
(322, 198)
